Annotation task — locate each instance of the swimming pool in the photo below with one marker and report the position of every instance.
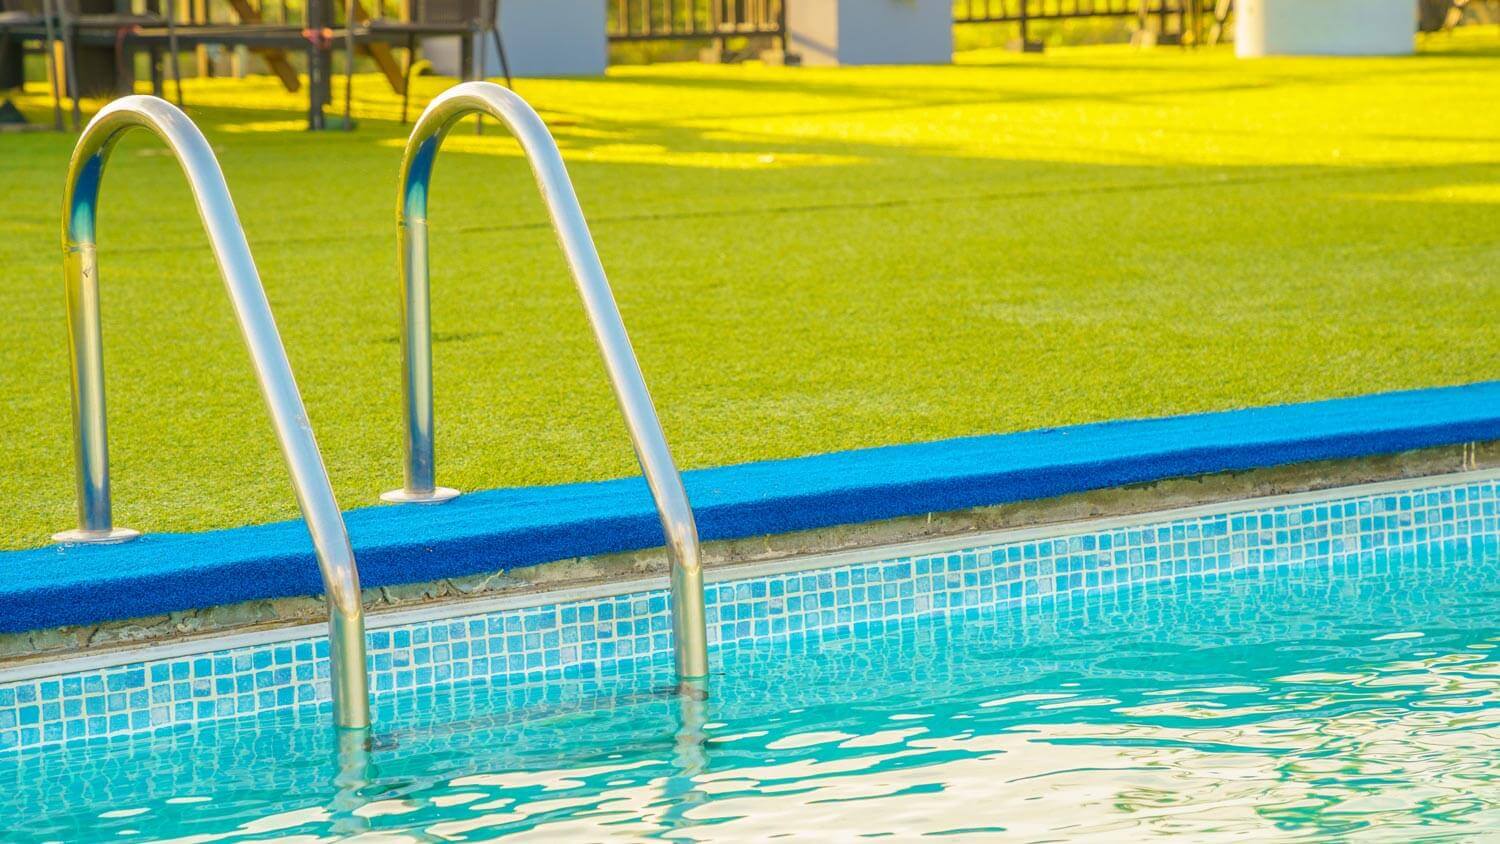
(1297, 667)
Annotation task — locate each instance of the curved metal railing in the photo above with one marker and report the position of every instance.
(309, 478)
(690, 637)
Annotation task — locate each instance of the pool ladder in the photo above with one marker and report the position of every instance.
(346, 627)
(348, 679)
(441, 115)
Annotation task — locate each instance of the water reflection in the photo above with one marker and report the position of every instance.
(680, 791)
(355, 774)
(1297, 706)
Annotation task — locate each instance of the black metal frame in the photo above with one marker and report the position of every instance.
(685, 20)
(1189, 15)
(316, 36)
(55, 24)
(1014, 11)
(15, 26)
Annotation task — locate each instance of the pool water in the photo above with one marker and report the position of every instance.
(1323, 700)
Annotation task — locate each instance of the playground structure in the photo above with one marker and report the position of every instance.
(90, 46)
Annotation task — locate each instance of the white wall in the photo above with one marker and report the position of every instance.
(542, 38)
(855, 32)
(1324, 27)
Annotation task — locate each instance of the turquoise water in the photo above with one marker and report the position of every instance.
(1309, 702)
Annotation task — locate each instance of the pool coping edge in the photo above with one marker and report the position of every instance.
(571, 592)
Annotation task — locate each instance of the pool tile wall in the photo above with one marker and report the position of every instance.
(617, 637)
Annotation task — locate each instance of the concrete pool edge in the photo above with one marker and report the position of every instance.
(570, 643)
(729, 570)
(42, 652)
(606, 531)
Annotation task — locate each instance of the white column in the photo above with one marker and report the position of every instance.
(542, 38)
(1324, 27)
(854, 32)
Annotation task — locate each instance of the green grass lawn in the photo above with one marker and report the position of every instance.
(807, 259)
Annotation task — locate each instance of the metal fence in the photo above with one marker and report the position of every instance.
(670, 20)
(1175, 21)
(675, 20)
(1016, 11)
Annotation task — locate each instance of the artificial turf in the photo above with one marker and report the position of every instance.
(807, 259)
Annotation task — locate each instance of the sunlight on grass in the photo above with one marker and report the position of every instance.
(808, 259)
(299, 125)
(1474, 194)
(500, 144)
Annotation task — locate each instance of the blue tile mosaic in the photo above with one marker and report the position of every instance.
(611, 638)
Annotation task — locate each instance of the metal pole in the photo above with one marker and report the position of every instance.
(348, 65)
(500, 46)
(440, 116)
(172, 50)
(52, 69)
(411, 49)
(781, 26)
(314, 105)
(158, 87)
(272, 370)
(479, 74)
(69, 35)
(319, 19)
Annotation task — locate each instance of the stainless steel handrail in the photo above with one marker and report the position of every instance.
(690, 636)
(346, 630)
